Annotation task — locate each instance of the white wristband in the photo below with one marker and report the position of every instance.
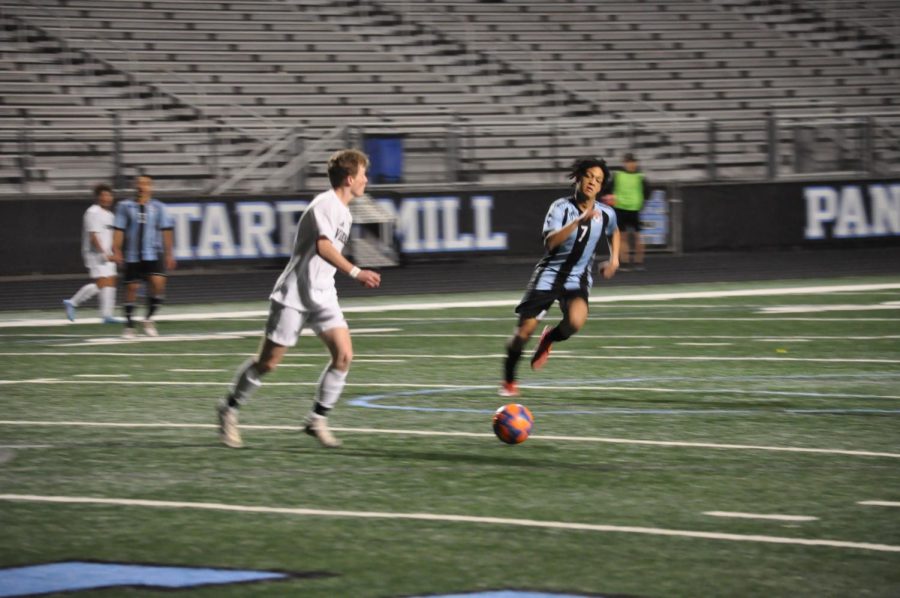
(354, 272)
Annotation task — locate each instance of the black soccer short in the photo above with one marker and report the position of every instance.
(628, 219)
(536, 303)
(144, 269)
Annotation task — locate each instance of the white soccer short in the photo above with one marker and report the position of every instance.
(100, 269)
(285, 323)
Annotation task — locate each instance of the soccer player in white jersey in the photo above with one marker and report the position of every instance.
(96, 249)
(305, 296)
(573, 228)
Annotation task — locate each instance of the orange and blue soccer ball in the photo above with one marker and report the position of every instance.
(512, 423)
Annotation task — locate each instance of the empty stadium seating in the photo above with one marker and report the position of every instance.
(205, 89)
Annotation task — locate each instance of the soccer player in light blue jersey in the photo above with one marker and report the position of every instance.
(573, 228)
(142, 242)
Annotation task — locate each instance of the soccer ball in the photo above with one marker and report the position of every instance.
(512, 423)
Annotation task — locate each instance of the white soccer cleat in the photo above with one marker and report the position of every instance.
(228, 426)
(150, 328)
(317, 426)
(128, 332)
(70, 309)
(508, 389)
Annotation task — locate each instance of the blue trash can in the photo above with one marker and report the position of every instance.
(385, 158)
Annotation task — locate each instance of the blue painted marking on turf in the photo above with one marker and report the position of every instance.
(370, 400)
(373, 402)
(76, 575)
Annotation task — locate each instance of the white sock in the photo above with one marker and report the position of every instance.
(246, 382)
(84, 293)
(107, 302)
(331, 383)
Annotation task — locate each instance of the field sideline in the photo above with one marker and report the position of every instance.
(714, 440)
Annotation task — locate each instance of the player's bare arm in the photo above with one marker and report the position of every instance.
(557, 237)
(328, 252)
(610, 267)
(118, 238)
(97, 245)
(167, 248)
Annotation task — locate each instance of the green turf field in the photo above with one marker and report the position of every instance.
(660, 412)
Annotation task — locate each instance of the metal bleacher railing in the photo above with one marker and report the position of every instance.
(864, 143)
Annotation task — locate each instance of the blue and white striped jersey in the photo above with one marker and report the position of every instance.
(143, 225)
(569, 265)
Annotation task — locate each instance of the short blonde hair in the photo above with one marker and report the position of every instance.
(344, 163)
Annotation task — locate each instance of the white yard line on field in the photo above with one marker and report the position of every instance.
(662, 443)
(803, 309)
(879, 503)
(216, 336)
(457, 387)
(463, 304)
(704, 358)
(373, 360)
(705, 344)
(773, 517)
(449, 518)
(626, 347)
(56, 381)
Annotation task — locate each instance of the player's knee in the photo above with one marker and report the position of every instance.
(566, 329)
(517, 342)
(342, 360)
(264, 366)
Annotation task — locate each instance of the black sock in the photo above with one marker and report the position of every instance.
(152, 304)
(318, 409)
(509, 366)
(129, 313)
(232, 402)
(561, 332)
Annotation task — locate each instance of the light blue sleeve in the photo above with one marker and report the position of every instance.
(165, 218)
(556, 217)
(613, 222)
(121, 221)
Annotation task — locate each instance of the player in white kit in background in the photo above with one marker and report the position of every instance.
(96, 249)
(305, 296)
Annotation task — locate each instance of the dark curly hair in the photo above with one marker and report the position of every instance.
(100, 188)
(580, 166)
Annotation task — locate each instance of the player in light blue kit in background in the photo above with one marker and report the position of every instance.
(573, 229)
(143, 243)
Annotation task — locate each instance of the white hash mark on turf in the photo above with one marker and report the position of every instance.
(705, 344)
(774, 517)
(534, 523)
(879, 503)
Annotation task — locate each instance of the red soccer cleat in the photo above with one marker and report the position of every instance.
(542, 353)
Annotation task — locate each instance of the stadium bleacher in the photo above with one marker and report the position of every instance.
(207, 92)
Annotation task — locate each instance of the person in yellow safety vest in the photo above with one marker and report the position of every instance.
(628, 194)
